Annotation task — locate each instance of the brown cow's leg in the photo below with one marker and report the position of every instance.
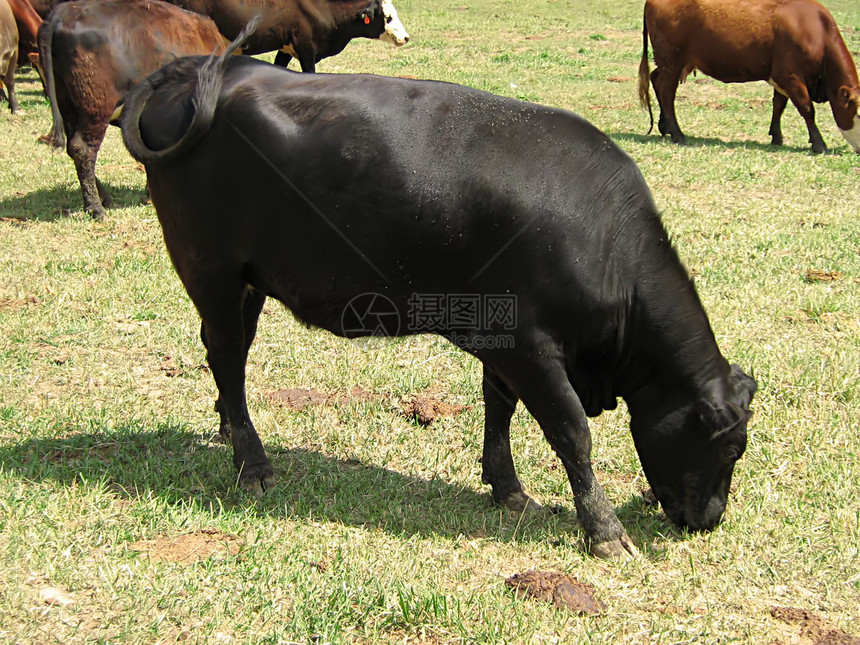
(229, 315)
(498, 465)
(780, 100)
(9, 80)
(665, 84)
(84, 155)
(799, 96)
(543, 386)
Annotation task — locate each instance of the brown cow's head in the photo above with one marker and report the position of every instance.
(845, 111)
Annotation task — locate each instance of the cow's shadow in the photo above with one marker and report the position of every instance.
(60, 201)
(183, 468)
(703, 142)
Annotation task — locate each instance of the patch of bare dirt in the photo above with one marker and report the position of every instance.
(16, 220)
(300, 398)
(813, 627)
(620, 79)
(190, 547)
(426, 408)
(819, 275)
(104, 451)
(17, 303)
(562, 590)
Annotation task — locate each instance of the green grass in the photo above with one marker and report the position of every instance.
(380, 530)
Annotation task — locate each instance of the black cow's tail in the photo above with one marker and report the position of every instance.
(57, 136)
(645, 76)
(204, 100)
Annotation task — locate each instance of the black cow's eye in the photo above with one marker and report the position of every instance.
(730, 453)
(388, 19)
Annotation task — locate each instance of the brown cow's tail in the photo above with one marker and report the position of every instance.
(57, 136)
(645, 76)
(204, 100)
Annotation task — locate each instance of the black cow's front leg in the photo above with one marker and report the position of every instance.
(282, 59)
(547, 393)
(498, 464)
(227, 330)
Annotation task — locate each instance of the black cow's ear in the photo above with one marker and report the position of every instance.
(720, 418)
(744, 384)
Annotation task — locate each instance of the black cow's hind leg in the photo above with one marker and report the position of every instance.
(251, 308)
(229, 323)
(547, 393)
(498, 464)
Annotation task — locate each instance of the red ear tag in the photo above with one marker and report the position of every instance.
(366, 19)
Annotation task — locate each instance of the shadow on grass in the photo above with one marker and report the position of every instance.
(51, 204)
(181, 467)
(709, 142)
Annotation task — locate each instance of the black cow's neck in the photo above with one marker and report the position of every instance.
(670, 341)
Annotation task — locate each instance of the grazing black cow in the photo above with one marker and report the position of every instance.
(356, 199)
(92, 53)
(8, 54)
(308, 30)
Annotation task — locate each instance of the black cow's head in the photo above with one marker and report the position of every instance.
(380, 20)
(688, 450)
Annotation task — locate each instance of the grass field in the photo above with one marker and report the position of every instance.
(115, 495)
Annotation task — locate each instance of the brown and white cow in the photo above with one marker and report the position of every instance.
(308, 30)
(8, 54)
(792, 44)
(93, 53)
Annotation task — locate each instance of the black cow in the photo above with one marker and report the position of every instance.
(308, 30)
(353, 199)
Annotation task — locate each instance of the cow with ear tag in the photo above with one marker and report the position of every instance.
(308, 30)
(322, 190)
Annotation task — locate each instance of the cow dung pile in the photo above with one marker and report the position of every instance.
(562, 590)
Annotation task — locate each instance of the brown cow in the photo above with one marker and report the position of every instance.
(308, 30)
(8, 54)
(792, 44)
(93, 53)
(28, 22)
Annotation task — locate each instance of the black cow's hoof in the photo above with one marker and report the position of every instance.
(256, 480)
(98, 214)
(520, 502)
(620, 549)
